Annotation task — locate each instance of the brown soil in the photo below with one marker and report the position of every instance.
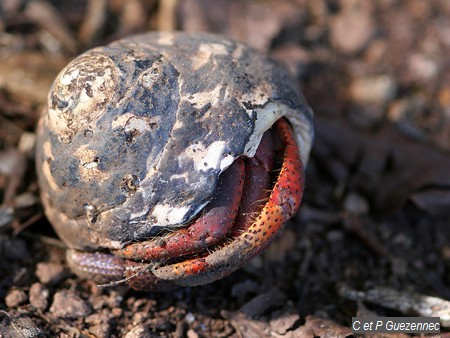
(375, 214)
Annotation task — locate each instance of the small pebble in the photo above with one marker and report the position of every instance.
(116, 312)
(100, 325)
(283, 321)
(140, 317)
(15, 298)
(352, 30)
(39, 295)
(115, 299)
(27, 142)
(190, 318)
(374, 89)
(25, 200)
(139, 331)
(443, 98)
(102, 330)
(67, 305)
(355, 204)
(422, 66)
(95, 319)
(50, 273)
(294, 58)
(192, 334)
(445, 253)
(20, 326)
(398, 110)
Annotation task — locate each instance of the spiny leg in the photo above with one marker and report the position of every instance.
(258, 181)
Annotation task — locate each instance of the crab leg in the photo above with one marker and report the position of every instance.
(258, 181)
(283, 202)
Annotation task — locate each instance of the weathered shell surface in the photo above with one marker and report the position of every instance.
(137, 132)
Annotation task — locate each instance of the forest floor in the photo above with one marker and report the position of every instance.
(372, 236)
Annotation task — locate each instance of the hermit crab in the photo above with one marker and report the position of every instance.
(170, 159)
